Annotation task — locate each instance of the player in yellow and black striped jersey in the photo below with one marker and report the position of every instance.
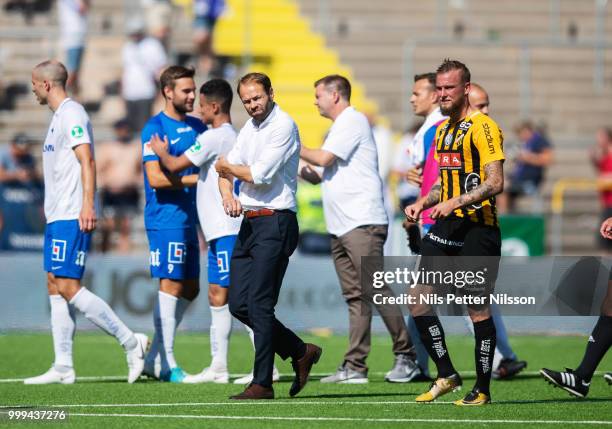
(469, 151)
(462, 151)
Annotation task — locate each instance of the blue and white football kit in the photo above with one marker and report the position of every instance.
(219, 228)
(66, 246)
(170, 213)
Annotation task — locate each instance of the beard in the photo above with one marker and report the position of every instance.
(182, 108)
(454, 108)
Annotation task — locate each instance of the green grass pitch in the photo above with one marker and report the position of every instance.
(527, 401)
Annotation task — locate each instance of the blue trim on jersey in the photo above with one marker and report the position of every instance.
(174, 254)
(171, 208)
(219, 256)
(428, 139)
(65, 249)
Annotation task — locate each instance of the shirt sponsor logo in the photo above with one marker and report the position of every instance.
(465, 125)
(184, 130)
(58, 250)
(77, 131)
(450, 160)
(48, 148)
(176, 252)
(489, 137)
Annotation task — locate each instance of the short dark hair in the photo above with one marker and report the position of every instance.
(339, 83)
(220, 91)
(449, 65)
(259, 78)
(171, 74)
(431, 78)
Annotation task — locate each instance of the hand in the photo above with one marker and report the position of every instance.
(87, 219)
(158, 145)
(223, 167)
(443, 209)
(415, 176)
(413, 211)
(606, 229)
(232, 206)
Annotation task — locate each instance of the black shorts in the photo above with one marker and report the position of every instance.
(466, 250)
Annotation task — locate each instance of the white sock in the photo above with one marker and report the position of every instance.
(497, 358)
(63, 325)
(251, 335)
(167, 315)
(154, 354)
(181, 308)
(220, 330)
(101, 315)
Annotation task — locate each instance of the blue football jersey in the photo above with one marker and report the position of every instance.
(170, 208)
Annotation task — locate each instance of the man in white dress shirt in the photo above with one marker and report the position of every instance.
(265, 159)
(356, 218)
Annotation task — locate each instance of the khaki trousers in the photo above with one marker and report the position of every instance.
(347, 250)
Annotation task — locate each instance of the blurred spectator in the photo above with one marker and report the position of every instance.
(601, 157)
(17, 165)
(144, 58)
(73, 32)
(158, 17)
(119, 177)
(206, 13)
(314, 238)
(535, 155)
(28, 7)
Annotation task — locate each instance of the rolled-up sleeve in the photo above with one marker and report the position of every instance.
(272, 156)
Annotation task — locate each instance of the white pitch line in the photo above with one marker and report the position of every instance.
(313, 374)
(346, 419)
(238, 403)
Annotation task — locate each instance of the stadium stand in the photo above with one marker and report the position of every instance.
(514, 49)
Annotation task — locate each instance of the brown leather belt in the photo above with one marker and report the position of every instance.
(257, 213)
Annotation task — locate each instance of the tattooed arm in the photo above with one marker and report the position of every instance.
(413, 211)
(492, 185)
(433, 197)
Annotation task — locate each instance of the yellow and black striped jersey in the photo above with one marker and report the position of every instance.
(462, 150)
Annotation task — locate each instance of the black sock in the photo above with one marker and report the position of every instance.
(599, 343)
(484, 332)
(432, 336)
